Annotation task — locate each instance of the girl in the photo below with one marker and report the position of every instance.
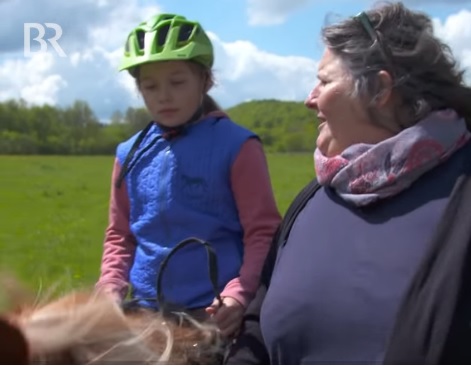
(191, 173)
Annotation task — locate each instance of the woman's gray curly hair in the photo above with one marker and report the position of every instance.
(424, 72)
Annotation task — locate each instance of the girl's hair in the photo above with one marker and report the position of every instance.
(209, 104)
(393, 38)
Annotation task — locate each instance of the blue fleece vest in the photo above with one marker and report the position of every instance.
(181, 188)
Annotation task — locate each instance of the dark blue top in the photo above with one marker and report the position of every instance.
(339, 280)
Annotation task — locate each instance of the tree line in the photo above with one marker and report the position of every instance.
(75, 130)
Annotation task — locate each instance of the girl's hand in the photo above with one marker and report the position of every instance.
(113, 294)
(228, 316)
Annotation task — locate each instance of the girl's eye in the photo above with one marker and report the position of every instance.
(149, 87)
(178, 82)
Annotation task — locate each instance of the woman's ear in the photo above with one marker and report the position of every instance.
(14, 349)
(385, 86)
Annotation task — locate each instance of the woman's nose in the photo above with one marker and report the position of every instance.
(311, 100)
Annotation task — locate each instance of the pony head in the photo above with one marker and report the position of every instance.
(90, 328)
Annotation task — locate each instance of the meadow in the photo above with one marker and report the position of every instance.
(54, 210)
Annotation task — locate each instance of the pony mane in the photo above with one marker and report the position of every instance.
(84, 327)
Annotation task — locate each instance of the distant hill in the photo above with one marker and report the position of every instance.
(75, 130)
(283, 126)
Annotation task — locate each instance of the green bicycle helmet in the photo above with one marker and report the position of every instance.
(166, 37)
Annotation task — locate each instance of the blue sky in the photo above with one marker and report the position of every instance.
(297, 36)
(264, 48)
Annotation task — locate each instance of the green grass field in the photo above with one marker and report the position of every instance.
(54, 210)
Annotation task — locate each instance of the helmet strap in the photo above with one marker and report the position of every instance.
(171, 132)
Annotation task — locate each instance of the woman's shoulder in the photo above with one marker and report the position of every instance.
(462, 159)
(466, 151)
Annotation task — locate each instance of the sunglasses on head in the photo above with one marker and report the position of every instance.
(366, 23)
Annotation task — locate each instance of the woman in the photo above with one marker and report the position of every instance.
(374, 268)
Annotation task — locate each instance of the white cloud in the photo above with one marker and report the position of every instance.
(244, 72)
(89, 72)
(456, 31)
(272, 12)
(32, 80)
(120, 21)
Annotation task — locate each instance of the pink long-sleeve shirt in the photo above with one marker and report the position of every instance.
(258, 213)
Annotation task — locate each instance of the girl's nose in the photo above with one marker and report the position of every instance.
(164, 94)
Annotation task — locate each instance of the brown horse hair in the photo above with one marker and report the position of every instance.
(87, 327)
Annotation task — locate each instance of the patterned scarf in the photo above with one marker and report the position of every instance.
(365, 173)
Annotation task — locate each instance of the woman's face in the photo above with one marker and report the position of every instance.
(343, 119)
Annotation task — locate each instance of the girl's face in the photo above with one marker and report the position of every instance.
(172, 90)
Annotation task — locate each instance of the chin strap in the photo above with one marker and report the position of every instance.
(170, 132)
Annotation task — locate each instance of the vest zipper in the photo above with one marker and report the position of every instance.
(164, 193)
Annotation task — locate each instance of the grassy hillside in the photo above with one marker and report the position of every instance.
(283, 126)
(54, 212)
(24, 129)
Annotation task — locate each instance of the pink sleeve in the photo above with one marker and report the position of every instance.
(119, 244)
(258, 214)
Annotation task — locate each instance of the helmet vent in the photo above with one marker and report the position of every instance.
(185, 32)
(162, 35)
(140, 39)
(127, 47)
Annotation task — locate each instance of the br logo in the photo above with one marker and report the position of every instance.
(40, 38)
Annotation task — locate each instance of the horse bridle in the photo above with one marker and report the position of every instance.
(212, 269)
